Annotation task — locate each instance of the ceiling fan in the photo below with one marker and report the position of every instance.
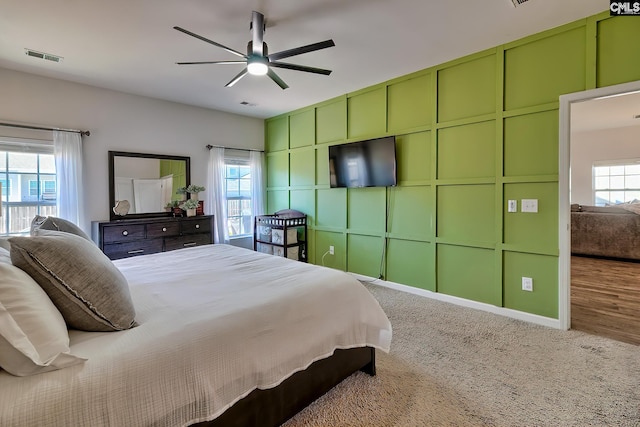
(257, 59)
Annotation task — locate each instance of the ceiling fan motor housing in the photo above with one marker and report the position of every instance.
(257, 60)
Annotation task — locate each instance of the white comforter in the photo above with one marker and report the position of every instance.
(215, 322)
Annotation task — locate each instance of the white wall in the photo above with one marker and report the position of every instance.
(137, 167)
(588, 147)
(122, 122)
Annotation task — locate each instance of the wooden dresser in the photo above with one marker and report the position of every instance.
(131, 237)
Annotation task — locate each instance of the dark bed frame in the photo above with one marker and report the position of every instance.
(274, 406)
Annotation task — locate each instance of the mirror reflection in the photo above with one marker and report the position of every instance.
(147, 182)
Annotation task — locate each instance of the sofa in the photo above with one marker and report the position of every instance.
(607, 231)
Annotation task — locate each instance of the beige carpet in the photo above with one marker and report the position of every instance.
(454, 366)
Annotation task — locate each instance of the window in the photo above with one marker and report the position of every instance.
(238, 195)
(33, 188)
(45, 191)
(28, 179)
(6, 187)
(616, 182)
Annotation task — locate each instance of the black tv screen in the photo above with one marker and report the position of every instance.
(369, 163)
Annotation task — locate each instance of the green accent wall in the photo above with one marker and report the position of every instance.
(177, 168)
(471, 134)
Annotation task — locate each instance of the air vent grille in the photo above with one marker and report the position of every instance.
(517, 3)
(42, 55)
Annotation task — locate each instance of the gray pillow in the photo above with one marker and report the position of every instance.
(56, 224)
(85, 286)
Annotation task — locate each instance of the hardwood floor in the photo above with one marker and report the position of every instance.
(605, 298)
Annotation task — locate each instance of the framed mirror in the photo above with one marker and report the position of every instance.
(141, 184)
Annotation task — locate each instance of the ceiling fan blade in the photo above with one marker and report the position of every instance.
(277, 79)
(228, 49)
(257, 30)
(212, 62)
(237, 78)
(300, 68)
(300, 50)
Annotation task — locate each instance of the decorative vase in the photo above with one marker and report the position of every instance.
(193, 196)
(177, 212)
(191, 212)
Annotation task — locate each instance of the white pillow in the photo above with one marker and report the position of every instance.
(33, 334)
(4, 243)
(5, 256)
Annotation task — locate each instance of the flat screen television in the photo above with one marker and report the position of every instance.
(369, 163)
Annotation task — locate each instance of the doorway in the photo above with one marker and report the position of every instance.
(569, 105)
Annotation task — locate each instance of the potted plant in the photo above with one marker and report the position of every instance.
(193, 191)
(174, 206)
(182, 191)
(190, 206)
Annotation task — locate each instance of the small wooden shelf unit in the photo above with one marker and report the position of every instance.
(283, 233)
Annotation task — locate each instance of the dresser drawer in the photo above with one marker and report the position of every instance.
(196, 226)
(173, 243)
(127, 238)
(162, 229)
(129, 249)
(123, 233)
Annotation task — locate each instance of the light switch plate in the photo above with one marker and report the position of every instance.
(512, 206)
(529, 205)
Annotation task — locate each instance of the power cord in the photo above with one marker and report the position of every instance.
(388, 203)
(325, 254)
(370, 282)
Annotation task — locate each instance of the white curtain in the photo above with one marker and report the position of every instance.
(67, 148)
(258, 186)
(217, 202)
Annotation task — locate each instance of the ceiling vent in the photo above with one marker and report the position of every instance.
(42, 55)
(517, 3)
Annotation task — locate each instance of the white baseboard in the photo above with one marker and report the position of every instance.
(507, 312)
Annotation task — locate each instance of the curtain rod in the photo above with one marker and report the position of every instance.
(209, 147)
(14, 125)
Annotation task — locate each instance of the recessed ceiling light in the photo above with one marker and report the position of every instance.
(41, 55)
(248, 104)
(637, 116)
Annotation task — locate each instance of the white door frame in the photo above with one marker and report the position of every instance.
(564, 232)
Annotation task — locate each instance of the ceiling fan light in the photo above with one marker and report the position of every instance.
(257, 68)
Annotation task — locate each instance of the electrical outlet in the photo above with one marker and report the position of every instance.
(527, 284)
(331, 250)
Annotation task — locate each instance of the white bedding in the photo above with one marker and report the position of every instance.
(215, 322)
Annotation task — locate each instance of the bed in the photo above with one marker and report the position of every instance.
(224, 336)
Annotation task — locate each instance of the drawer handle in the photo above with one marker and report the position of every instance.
(189, 244)
(139, 251)
(197, 225)
(164, 228)
(125, 233)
